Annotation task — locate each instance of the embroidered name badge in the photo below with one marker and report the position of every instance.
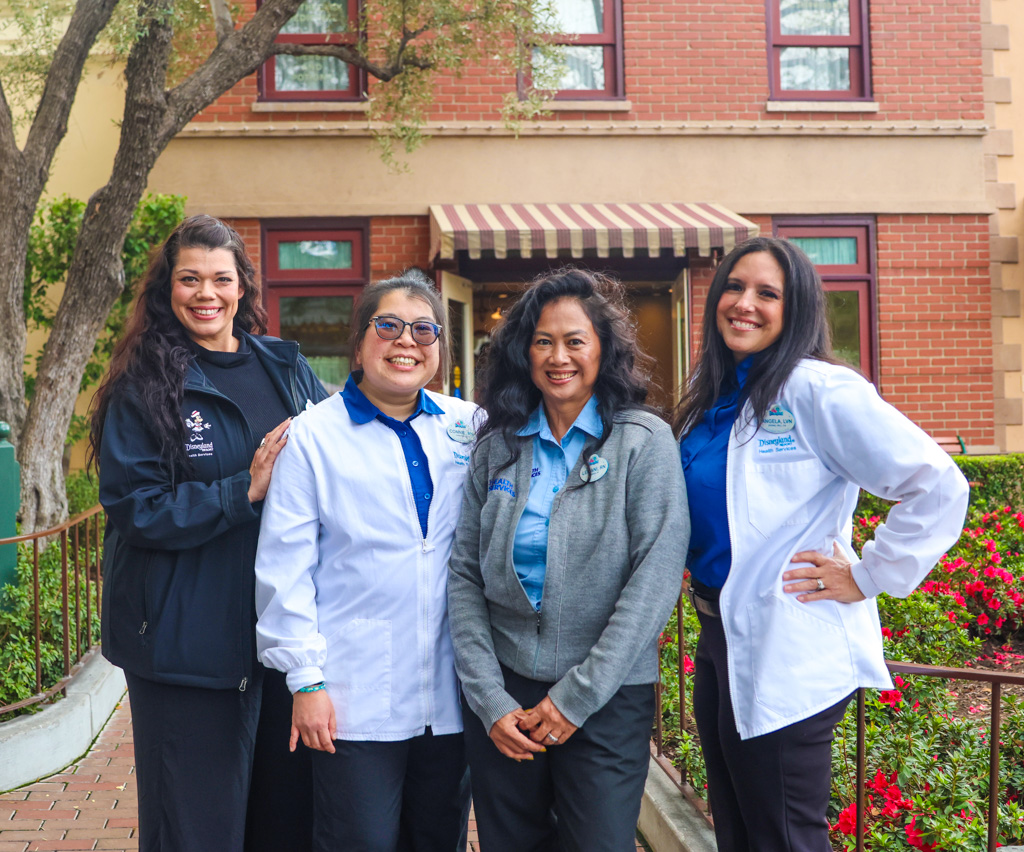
(502, 484)
(196, 447)
(462, 433)
(595, 468)
(778, 420)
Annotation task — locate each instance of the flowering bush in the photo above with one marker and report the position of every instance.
(928, 760)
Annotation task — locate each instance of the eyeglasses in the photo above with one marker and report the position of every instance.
(391, 328)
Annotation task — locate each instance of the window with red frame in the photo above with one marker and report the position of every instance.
(315, 78)
(592, 43)
(843, 251)
(314, 270)
(818, 49)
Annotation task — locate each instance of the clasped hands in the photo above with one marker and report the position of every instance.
(523, 733)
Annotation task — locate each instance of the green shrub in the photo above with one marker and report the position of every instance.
(83, 490)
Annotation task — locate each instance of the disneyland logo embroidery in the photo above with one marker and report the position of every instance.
(778, 419)
(196, 447)
(461, 459)
(781, 444)
(502, 484)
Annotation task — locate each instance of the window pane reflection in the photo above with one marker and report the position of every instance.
(815, 69)
(844, 320)
(320, 324)
(581, 68)
(815, 17)
(319, 16)
(310, 74)
(580, 17)
(315, 254)
(828, 251)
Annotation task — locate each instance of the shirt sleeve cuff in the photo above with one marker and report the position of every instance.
(304, 676)
(862, 578)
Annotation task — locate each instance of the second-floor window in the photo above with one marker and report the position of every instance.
(818, 49)
(314, 78)
(592, 39)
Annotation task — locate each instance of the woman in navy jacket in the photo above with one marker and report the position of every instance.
(187, 426)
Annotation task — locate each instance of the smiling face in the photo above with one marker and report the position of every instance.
(750, 312)
(205, 292)
(394, 371)
(565, 357)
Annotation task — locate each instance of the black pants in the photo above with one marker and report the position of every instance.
(406, 796)
(193, 761)
(280, 811)
(581, 796)
(767, 793)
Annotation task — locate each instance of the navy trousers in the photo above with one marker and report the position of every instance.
(405, 796)
(580, 796)
(280, 810)
(767, 793)
(193, 762)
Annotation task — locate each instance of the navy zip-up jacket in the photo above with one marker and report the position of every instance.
(178, 580)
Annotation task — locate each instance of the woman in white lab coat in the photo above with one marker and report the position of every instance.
(776, 440)
(351, 577)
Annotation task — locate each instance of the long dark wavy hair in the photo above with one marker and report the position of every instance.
(805, 334)
(148, 366)
(509, 394)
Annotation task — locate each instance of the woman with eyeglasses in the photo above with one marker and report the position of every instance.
(351, 575)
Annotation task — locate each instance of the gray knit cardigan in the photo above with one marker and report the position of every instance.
(616, 551)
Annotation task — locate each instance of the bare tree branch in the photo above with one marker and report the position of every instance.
(51, 121)
(348, 53)
(222, 19)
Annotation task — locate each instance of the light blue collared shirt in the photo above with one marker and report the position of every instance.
(361, 410)
(552, 462)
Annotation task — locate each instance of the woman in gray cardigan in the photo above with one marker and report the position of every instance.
(566, 565)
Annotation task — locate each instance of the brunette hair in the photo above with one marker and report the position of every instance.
(509, 395)
(418, 286)
(805, 334)
(148, 365)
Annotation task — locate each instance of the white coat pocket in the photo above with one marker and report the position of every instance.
(794, 652)
(781, 493)
(358, 674)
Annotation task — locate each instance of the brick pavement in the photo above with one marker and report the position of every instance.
(90, 805)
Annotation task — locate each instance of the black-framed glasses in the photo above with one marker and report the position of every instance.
(391, 328)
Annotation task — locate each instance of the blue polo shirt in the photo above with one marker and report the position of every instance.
(704, 452)
(361, 410)
(552, 461)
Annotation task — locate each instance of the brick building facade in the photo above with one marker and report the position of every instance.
(857, 127)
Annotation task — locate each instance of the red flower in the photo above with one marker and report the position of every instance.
(847, 822)
(688, 666)
(892, 697)
(983, 619)
(914, 837)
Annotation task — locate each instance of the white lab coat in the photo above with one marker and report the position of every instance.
(347, 589)
(791, 486)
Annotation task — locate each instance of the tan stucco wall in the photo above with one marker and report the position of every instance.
(1005, 170)
(310, 176)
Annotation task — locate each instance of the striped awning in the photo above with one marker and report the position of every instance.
(550, 229)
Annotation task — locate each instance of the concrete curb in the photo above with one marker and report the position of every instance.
(32, 747)
(668, 822)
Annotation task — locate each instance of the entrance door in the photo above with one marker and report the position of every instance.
(680, 332)
(457, 294)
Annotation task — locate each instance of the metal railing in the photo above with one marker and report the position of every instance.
(993, 678)
(80, 560)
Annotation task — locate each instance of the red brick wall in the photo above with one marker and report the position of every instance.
(705, 60)
(934, 322)
(249, 231)
(396, 243)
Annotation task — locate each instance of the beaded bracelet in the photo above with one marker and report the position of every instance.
(316, 687)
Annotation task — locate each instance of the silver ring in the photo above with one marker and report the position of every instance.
(552, 737)
(821, 584)
(263, 443)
